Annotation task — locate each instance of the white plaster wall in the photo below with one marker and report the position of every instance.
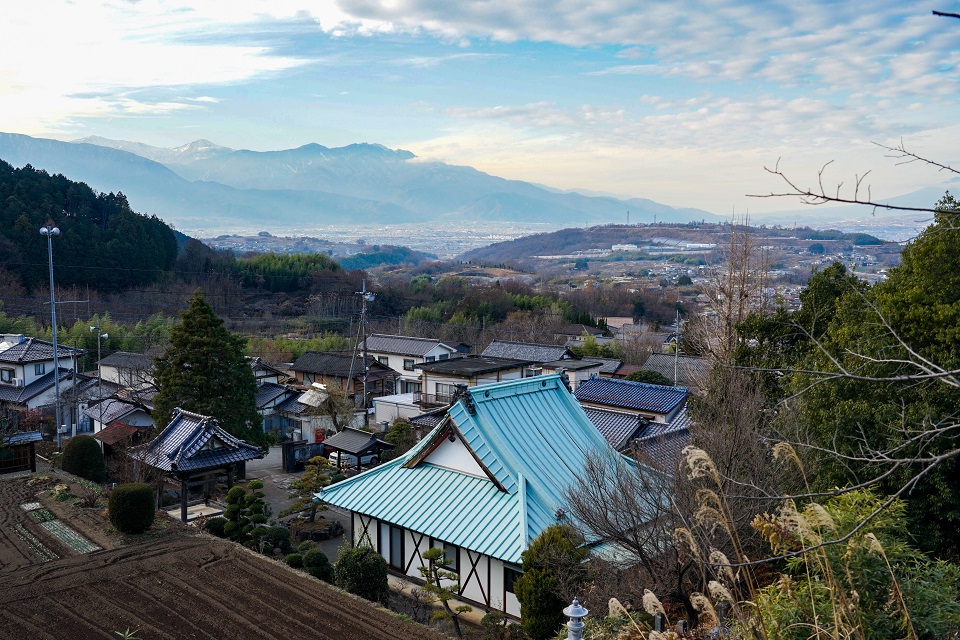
(454, 455)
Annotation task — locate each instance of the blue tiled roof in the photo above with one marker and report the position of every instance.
(631, 395)
(531, 437)
(192, 442)
(269, 391)
(21, 437)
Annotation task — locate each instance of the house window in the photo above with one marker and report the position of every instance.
(411, 387)
(383, 360)
(510, 575)
(396, 547)
(445, 391)
(40, 368)
(451, 554)
(431, 358)
(407, 364)
(6, 375)
(444, 356)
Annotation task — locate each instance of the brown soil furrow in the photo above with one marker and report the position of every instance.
(168, 611)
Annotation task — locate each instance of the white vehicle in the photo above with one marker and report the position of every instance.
(350, 460)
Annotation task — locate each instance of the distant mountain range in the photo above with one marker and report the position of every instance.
(201, 185)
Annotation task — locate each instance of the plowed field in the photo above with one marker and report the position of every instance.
(177, 587)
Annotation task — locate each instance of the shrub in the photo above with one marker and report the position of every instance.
(307, 545)
(316, 563)
(82, 457)
(132, 507)
(279, 537)
(363, 572)
(294, 560)
(215, 526)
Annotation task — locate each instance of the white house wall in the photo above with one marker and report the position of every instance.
(481, 576)
(454, 455)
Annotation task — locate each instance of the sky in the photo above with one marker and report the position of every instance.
(682, 102)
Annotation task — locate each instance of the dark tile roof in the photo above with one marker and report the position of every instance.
(430, 419)
(577, 330)
(618, 428)
(526, 351)
(470, 366)
(35, 350)
(572, 364)
(269, 391)
(193, 442)
(631, 395)
(337, 364)
(112, 410)
(21, 438)
(259, 365)
(355, 441)
(127, 360)
(292, 405)
(661, 444)
(402, 345)
(9, 393)
(692, 371)
(608, 366)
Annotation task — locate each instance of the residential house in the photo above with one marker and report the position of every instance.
(482, 485)
(345, 369)
(27, 377)
(303, 415)
(578, 371)
(439, 380)
(691, 372)
(608, 366)
(111, 411)
(132, 370)
(654, 402)
(404, 353)
(648, 421)
(537, 353)
(270, 396)
(263, 372)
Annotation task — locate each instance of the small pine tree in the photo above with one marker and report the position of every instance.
(363, 572)
(316, 476)
(443, 585)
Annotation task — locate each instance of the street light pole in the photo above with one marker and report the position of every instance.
(49, 231)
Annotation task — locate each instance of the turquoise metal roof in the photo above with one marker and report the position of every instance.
(532, 437)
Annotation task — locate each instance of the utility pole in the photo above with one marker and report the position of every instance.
(99, 370)
(676, 353)
(365, 297)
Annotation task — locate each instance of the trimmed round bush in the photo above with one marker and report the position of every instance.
(216, 526)
(294, 560)
(132, 507)
(363, 572)
(83, 457)
(307, 545)
(316, 563)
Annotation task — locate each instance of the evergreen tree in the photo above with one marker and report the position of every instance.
(204, 371)
(552, 571)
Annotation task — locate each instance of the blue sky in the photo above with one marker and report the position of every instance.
(679, 102)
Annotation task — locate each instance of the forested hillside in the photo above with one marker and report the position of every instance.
(102, 243)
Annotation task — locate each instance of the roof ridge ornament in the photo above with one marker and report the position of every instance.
(463, 393)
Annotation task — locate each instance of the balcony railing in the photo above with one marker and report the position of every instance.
(431, 400)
